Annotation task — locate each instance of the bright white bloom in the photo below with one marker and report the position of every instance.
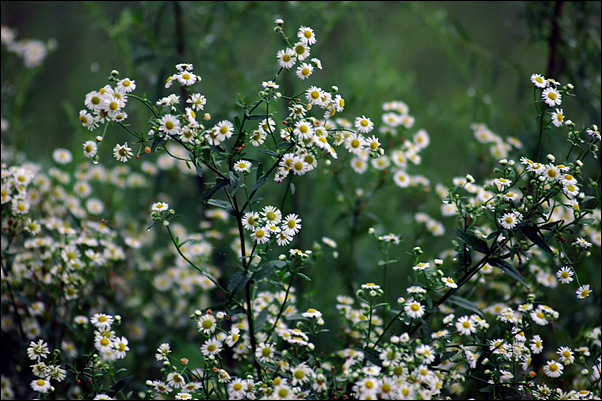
(466, 325)
(553, 369)
(558, 118)
(583, 291)
(449, 282)
(243, 166)
(213, 346)
(565, 274)
(413, 309)
(305, 70)
(122, 152)
(159, 206)
(539, 81)
(510, 219)
(551, 97)
(102, 321)
(286, 58)
(90, 149)
(126, 85)
(363, 124)
(306, 36)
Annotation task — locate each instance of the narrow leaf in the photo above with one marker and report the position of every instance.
(534, 235)
(508, 269)
(208, 194)
(260, 181)
(238, 281)
(466, 304)
(471, 240)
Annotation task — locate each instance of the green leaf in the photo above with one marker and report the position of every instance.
(117, 387)
(199, 167)
(477, 244)
(237, 123)
(303, 276)
(221, 204)
(256, 116)
(532, 232)
(208, 194)
(260, 181)
(372, 355)
(268, 152)
(267, 269)
(234, 180)
(238, 281)
(508, 269)
(466, 304)
(261, 319)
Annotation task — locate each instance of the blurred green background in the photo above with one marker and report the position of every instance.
(453, 63)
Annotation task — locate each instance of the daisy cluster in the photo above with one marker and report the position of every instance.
(270, 224)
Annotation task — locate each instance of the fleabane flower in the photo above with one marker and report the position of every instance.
(553, 369)
(510, 220)
(261, 235)
(466, 325)
(583, 291)
(197, 101)
(159, 206)
(565, 274)
(286, 58)
(301, 51)
(88, 120)
(363, 124)
(551, 97)
(90, 149)
(126, 85)
(122, 152)
(243, 166)
(169, 124)
(449, 282)
(539, 81)
(413, 309)
(306, 35)
(305, 70)
(558, 118)
(314, 95)
(186, 78)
